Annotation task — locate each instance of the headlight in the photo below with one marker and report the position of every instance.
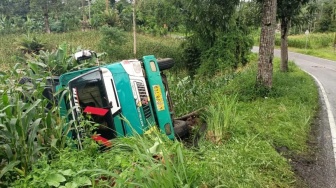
(137, 66)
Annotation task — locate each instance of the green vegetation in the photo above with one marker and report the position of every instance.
(239, 148)
(215, 71)
(242, 155)
(162, 47)
(316, 44)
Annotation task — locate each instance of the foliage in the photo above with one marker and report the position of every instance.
(289, 9)
(248, 143)
(316, 44)
(101, 17)
(112, 39)
(57, 62)
(157, 17)
(328, 17)
(207, 18)
(133, 165)
(119, 45)
(158, 46)
(191, 56)
(30, 45)
(228, 52)
(220, 124)
(220, 43)
(27, 130)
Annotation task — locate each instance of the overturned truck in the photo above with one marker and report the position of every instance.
(124, 98)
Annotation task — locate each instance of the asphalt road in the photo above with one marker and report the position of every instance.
(322, 171)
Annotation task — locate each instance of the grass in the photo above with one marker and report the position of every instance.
(326, 53)
(9, 51)
(251, 127)
(162, 47)
(316, 44)
(246, 155)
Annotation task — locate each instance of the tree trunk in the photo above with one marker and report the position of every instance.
(266, 50)
(284, 44)
(107, 4)
(46, 17)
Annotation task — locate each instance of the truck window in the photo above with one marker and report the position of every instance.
(88, 96)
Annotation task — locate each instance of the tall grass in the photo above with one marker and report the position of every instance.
(127, 164)
(221, 117)
(315, 44)
(27, 130)
(161, 47)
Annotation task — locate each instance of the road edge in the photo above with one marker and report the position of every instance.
(330, 115)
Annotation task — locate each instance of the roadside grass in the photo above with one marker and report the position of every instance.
(321, 45)
(284, 116)
(258, 126)
(326, 53)
(239, 149)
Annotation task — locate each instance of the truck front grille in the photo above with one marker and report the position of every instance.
(143, 95)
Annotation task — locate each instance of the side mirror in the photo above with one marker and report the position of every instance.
(84, 54)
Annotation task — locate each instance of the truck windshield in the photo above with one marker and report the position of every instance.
(89, 99)
(89, 90)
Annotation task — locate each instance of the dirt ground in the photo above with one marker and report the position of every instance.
(316, 169)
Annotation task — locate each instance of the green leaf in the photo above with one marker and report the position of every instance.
(70, 185)
(34, 127)
(55, 179)
(33, 106)
(68, 172)
(8, 167)
(82, 181)
(8, 151)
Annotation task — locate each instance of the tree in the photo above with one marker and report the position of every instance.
(266, 50)
(209, 18)
(218, 41)
(327, 20)
(43, 7)
(286, 11)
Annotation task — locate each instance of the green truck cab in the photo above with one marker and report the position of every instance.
(126, 98)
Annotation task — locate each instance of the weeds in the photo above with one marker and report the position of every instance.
(220, 117)
(250, 126)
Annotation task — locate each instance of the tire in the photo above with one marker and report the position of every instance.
(25, 80)
(165, 64)
(181, 129)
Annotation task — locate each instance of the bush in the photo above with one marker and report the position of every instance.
(228, 52)
(29, 44)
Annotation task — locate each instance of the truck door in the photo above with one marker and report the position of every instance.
(93, 95)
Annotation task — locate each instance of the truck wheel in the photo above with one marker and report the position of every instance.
(166, 63)
(25, 80)
(181, 129)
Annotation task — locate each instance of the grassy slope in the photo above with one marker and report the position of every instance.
(282, 119)
(161, 47)
(246, 157)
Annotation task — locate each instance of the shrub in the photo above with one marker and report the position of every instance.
(30, 44)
